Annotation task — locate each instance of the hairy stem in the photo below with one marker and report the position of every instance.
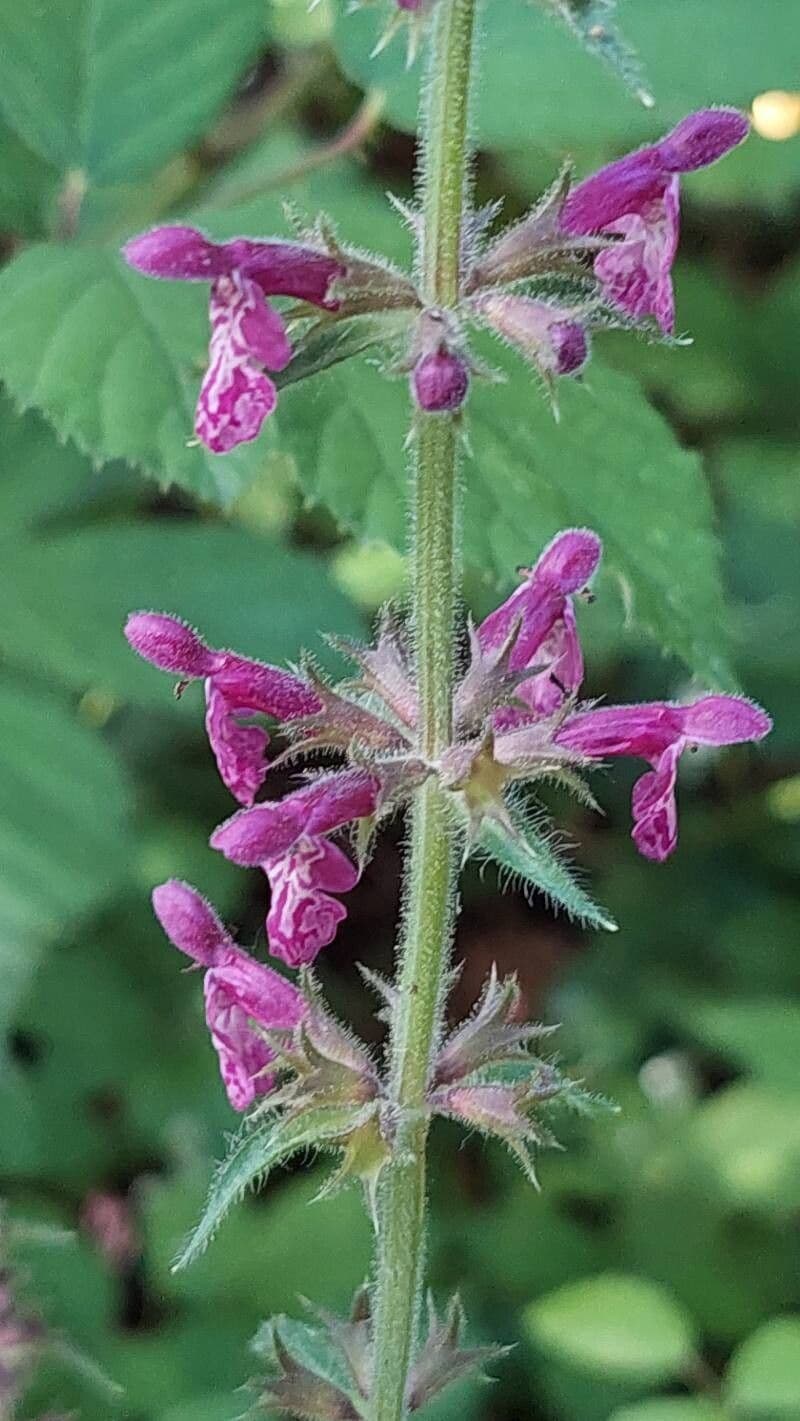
(430, 871)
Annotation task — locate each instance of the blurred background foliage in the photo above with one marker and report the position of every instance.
(656, 1276)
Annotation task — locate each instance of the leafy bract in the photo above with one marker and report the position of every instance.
(528, 856)
(256, 1151)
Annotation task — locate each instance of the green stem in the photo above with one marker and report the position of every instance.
(431, 869)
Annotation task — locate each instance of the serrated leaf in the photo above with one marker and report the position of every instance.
(115, 87)
(529, 856)
(114, 361)
(612, 463)
(256, 1151)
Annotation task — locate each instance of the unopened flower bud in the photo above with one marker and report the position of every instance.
(190, 922)
(440, 381)
(169, 644)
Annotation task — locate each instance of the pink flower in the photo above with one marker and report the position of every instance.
(546, 638)
(287, 838)
(269, 831)
(238, 991)
(659, 732)
(637, 198)
(247, 335)
(303, 917)
(234, 686)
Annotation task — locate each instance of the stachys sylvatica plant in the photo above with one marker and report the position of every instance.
(441, 720)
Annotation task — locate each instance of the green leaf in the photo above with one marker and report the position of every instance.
(612, 463)
(37, 473)
(27, 185)
(671, 1408)
(114, 361)
(747, 1139)
(256, 1151)
(70, 595)
(536, 84)
(529, 856)
(616, 1326)
(64, 834)
(763, 1381)
(114, 88)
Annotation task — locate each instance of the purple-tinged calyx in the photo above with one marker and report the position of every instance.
(637, 198)
(234, 686)
(247, 335)
(240, 994)
(659, 732)
(551, 337)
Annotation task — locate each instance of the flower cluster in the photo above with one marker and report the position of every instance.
(516, 718)
(592, 254)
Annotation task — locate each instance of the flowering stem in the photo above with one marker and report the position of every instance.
(430, 872)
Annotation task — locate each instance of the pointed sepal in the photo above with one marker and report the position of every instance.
(444, 1358)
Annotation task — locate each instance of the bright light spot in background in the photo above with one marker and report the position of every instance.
(776, 114)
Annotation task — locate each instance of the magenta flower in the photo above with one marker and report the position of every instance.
(234, 686)
(303, 917)
(659, 732)
(247, 335)
(637, 198)
(287, 838)
(541, 619)
(240, 993)
(269, 831)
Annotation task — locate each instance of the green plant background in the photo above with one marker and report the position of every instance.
(656, 1276)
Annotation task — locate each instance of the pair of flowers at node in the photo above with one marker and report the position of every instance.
(592, 254)
(516, 720)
